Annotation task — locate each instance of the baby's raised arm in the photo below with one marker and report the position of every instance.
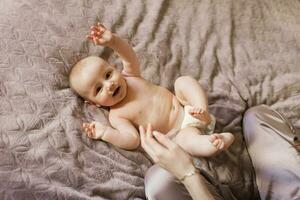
(101, 36)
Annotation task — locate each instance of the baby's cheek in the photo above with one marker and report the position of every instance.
(104, 100)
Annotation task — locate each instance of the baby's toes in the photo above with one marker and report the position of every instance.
(192, 111)
(199, 111)
(221, 145)
(216, 143)
(197, 115)
(212, 138)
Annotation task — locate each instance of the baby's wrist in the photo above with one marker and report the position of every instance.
(111, 42)
(103, 133)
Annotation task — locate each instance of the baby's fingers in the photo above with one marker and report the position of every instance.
(101, 25)
(91, 132)
(98, 28)
(89, 37)
(85, 125)
(97, 33)
(95, 28)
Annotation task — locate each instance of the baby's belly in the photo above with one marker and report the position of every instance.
(176, 115)
(171, 119)
(159, 107)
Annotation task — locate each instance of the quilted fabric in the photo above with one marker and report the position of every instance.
(244, 53)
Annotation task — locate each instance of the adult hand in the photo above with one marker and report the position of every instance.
(165, 152)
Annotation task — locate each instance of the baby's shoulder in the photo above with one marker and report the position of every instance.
(117, 112)
(115, 115)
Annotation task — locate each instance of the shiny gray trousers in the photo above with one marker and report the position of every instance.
(276, 162)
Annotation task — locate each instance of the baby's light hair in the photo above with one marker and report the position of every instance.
(78, 68)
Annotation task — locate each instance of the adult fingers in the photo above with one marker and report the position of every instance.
(149, 131)
(145, 145)
(157, 148)
(164, 140)
(142, 135)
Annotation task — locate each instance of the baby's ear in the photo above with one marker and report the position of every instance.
(89, 102)
(92, 103)
(114, 66)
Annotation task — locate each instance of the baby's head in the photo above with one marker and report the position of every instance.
(98, 82)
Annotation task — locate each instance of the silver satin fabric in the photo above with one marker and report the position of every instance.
(275, 160)
(162, 185)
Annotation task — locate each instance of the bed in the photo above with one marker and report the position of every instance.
(244, 53)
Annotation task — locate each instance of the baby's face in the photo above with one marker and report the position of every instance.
(101, 83)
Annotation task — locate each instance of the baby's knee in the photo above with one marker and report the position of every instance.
(184, 81)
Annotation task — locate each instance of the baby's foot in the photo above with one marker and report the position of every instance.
(222, 140)
(217, 141)
(200, 114)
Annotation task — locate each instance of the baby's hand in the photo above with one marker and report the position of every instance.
(100, 35)
(94, 130)
(200, 114)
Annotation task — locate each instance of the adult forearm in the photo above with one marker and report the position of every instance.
(124, 140)
(197, 188)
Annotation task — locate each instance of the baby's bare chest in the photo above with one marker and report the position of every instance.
(151, 108)
(147, 104)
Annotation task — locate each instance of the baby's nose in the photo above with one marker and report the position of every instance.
(111, 86)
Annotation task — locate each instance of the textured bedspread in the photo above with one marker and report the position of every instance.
(244, 53)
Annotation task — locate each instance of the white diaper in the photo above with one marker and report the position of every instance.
(189, 120)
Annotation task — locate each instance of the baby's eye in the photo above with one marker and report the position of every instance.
(108, 75)
(99, 89)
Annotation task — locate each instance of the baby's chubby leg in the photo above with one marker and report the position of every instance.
(189, 92)
(191, 140)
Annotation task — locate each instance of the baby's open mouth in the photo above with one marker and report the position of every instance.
(116, 91)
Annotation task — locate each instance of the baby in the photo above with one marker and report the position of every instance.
(135, 102)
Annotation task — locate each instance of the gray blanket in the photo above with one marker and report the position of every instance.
(244, 53)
